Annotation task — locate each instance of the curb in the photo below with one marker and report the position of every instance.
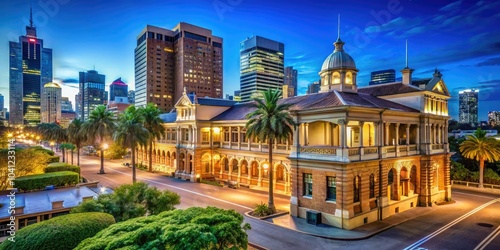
(368, 235)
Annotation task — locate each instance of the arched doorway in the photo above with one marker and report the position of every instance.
(280, 173)
(244, 168)
(225, 164)
(205, 164)
(413, 179)
(392, 185)
(403, 182)
(181, 162)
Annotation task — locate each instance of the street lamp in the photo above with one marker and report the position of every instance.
(52, 145)
(266, 166)
(103, 147)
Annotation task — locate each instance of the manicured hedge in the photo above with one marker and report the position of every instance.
(54, 159)
(61, 166)
(62, 232)
(40, 181)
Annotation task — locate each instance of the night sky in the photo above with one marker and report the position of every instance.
(461, 38)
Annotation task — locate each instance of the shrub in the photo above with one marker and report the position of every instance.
(193, 228)
(43, 150)
(54, 159)
(61, 166)
(40, 181)
(62, 232)
(262, 210)
(215, 183)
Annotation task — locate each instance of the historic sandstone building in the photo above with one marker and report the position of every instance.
(359, 154)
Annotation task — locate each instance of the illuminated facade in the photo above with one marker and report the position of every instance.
(468, 106)
(118, 89)
(494, 118)
(290, 82)
(261, 66)
(166, 61)
(30, 69)
(92, 92)
(358, 155)
(383, 76)
(51, 103)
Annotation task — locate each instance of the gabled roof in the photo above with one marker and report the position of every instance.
(207, 101)
(169, 117)
(436, 85)
(388, 89)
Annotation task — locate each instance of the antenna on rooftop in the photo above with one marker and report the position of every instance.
(406, 53)
(338, 29)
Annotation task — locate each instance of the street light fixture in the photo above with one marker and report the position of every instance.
(103, 147)
(52, 145)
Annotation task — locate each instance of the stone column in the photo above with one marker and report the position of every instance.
(306, 134)
(343, 124)
(259, 181)
(397, 134)
(417, 139)
(230, 137)
(386, 133)
(239, 137)
(361, 125)
(408, 134)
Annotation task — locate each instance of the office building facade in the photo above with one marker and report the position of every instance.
(2, 102)
(167, 61)
(118, 89)
(30, 69)
(494, 118)
(92, 92)
(51, 103)
(468, 106)
(382, 76)
(261, 66)
(313, 87)
(66, 104)
(131, 96)
(290, 81)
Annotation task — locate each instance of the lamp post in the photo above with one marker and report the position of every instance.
(103, 147)
(52, 145)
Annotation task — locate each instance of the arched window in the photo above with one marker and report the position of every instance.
(336, 78)
(348, 78)
(372, 186)
(390, 177)
(244, 167)
(357, 188)
(280, 173)
(235, 166)
(225, 163)
(255, 169)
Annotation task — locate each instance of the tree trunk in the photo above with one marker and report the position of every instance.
(271, 175)
(150, 169)
(481, 172)
(72, 156)
(133, 165)
(101, 171)
(63, 155)
(78, 156)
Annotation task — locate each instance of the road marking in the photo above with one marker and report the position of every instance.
(488, 239)
(185, 190)
(488, 197)
(444, 228)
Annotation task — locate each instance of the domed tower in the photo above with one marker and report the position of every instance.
(339, 70)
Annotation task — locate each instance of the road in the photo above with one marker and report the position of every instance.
(472, 222)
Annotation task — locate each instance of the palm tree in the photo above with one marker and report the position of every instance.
(270, 121)
(130, 133)
(99, 126)
(54, 132)
(481, 148)
(76, 137)
(153, 123)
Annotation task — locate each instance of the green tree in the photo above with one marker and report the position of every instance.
(66, 148)
(153, 123)
(28, 161)
(53, 132)
(131, 201)
(62, 232)
(480, 148)
(270, 121)
(98, 128)
(77, 137)
(193, 228)
(131, 133)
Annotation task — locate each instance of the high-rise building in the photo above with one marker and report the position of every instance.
(167, 61)
(468, 106)
(30, 69)
(494, 118)
(78, 104)
(237, 96)
(1, 102)
(313, 87)
(66, 104)
(291, 81)
(92, 92)
(51, 103)
(118, 89)
(383, 76)
(131, 96)
(261, 66)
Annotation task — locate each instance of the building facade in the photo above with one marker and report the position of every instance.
(30, 69)
(313, 87)
(51, 103)
(383, 76)
(291, 82)
(494, 118)
(92, 92)
(358, 155)
(131, 96)
(167, 61)
(468, 106)
(2, 101)
(118, 105)
(118, 89)
(261, 66)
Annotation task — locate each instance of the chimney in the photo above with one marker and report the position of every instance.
(406, 75)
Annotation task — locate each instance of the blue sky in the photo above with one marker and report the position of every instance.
(461, 38)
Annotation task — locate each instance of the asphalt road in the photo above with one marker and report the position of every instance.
(472, 222)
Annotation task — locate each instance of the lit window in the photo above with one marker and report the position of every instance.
(308, 191)
(331, 190)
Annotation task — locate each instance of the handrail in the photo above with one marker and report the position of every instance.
(474, 184)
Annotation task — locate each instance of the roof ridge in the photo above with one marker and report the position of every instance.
(340, 97)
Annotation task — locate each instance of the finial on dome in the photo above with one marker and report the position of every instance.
(339, 44)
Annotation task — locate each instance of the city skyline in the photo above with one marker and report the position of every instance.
(455, 37)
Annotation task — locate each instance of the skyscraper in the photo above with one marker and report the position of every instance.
(66, 104)
(383, 76)
(167, 61)
(261, 66)
(118, 89)
(291, 81)
(51, 103)
(1, 102)
(78, 104)
(131, 96)
(92, 92)
(468, 106)
(494, 118)
(30, 69)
